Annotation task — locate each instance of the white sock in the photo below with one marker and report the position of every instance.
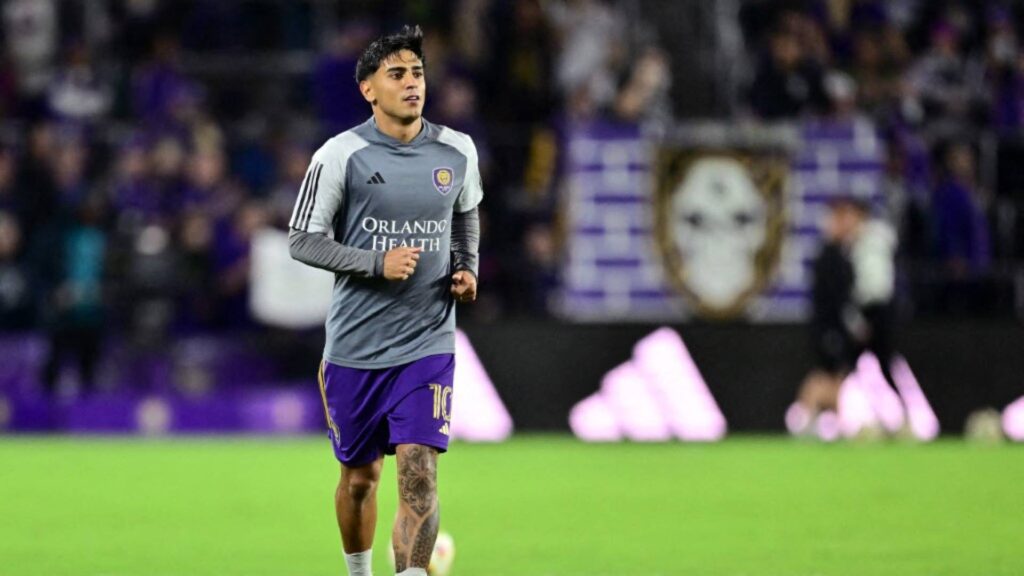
(413, 572)
(360, 563)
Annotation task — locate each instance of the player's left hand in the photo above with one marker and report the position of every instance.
(464, 286)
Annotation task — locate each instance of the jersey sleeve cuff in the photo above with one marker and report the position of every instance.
(378, 264)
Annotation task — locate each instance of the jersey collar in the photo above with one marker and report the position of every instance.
(390, 141)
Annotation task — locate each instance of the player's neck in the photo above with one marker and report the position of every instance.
(403, 132)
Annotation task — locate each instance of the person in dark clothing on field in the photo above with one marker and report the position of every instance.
(72, 263)
(854, 279)
(831, 338)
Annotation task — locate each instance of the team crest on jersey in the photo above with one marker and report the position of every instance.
(443, 180)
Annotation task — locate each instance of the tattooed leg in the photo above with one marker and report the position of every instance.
(355, 502)
(418, 512)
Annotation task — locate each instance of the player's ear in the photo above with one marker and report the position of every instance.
(366, 89)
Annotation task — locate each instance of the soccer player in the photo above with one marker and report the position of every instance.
(390, 207)
(832, 337)
(854, 281)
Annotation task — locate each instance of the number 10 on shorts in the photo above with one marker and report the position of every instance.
(442, 401)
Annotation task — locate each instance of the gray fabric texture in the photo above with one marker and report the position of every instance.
(368, 193)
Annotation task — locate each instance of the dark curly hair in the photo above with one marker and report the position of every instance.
(410, 38)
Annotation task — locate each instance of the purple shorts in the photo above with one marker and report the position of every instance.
(369, 412)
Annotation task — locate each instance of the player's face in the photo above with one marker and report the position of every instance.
(398, 87)
(844, 222)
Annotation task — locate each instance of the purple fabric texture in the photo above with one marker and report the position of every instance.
(370, 412)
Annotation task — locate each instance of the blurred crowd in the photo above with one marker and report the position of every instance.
(143, 142)
(943, 84)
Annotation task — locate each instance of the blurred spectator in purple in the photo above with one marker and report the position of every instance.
(79, 93)
(187, 120)
(1004, 70)
(787, 84)
(167, 159)
(962, 227)
(206, 186)
(1008, 98)
(136, 199)
(159, 86)
(231, 261)
(339, 105)
(15, 290)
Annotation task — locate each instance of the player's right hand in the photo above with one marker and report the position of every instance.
(400, 263)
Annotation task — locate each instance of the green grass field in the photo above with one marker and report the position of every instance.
(539, 505)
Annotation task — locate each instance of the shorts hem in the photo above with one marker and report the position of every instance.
(393, 444)
(356, 463)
